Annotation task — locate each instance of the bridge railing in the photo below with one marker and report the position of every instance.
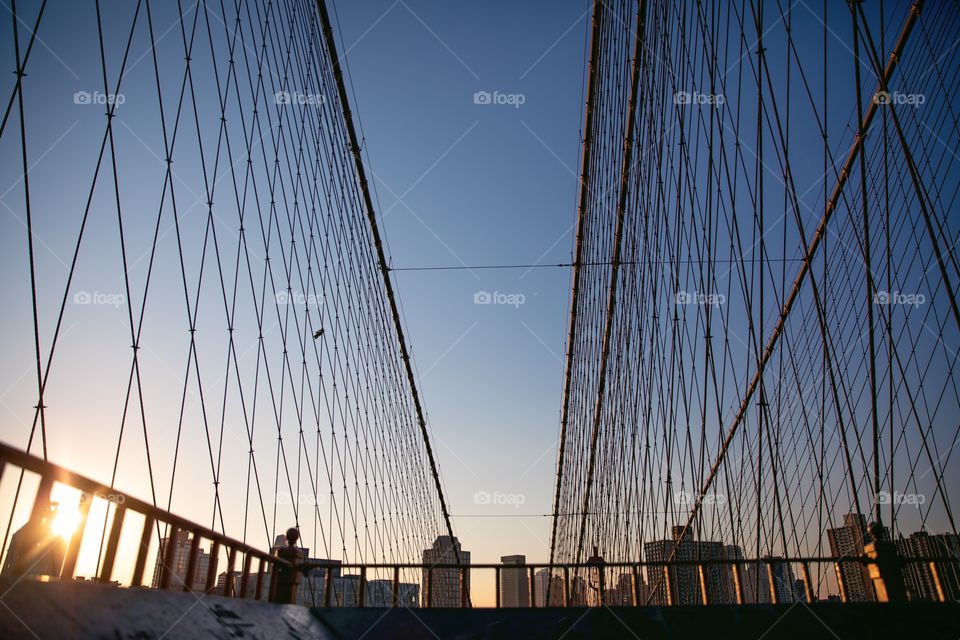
(152, 517)
(678, 582)
(592, 583)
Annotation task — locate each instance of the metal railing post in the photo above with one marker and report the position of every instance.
(328, 587)
(259, 584)
(169, 550)
(737, 583)
(841, 583)
(228, 590)
(113, 541)
(191, 576)
(702, 579)
(362, 596)
(245, 577)
(396, 586)
(668, 585)
(211, 580)
(73, 549)
(428, 599)
(533, 588)
(937, 582)
(807, 584)
(142, 551)
(772, 580)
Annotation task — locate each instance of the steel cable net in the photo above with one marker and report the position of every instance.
(764, 328)
(192, 193)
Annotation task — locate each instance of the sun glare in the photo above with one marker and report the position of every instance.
(67, 518)
(66, 521)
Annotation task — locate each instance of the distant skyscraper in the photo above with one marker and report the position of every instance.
(445, 591)
(757, 588)
(620, 593)
(514, 583)
(917, 575)
(685, 579)
(179, 563)
(35, 549)
(847, 541)
(544, 582)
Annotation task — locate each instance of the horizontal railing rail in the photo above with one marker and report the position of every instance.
(662, 575)
(153, 517)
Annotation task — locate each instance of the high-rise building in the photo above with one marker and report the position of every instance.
(34, 550)
(444, 590)
(918, 577)
(514, 583)
(685, 579)
(620, 592)
(756, 578)
(179, 562)
(545, 582)
(847, 541)
(380, 594)
(578, 592)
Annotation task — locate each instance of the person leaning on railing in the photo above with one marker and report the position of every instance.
(289, 575)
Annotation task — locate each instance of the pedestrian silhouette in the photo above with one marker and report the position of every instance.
(289, 575)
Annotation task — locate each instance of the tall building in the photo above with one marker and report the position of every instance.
(445, 591)
(35, 549)
(514, 583)
(847, 541)
(620, 592)
(685, 579)
(756, 581)
(543, 583)
(179, 562)
(917, 575)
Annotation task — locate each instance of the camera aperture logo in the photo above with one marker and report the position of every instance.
(912, 99)
(99, 98)
(499, 498)
(497, 298)
(512, 99)
(896, 297)
(916, 499)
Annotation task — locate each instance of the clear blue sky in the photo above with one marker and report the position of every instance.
(461, 183)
